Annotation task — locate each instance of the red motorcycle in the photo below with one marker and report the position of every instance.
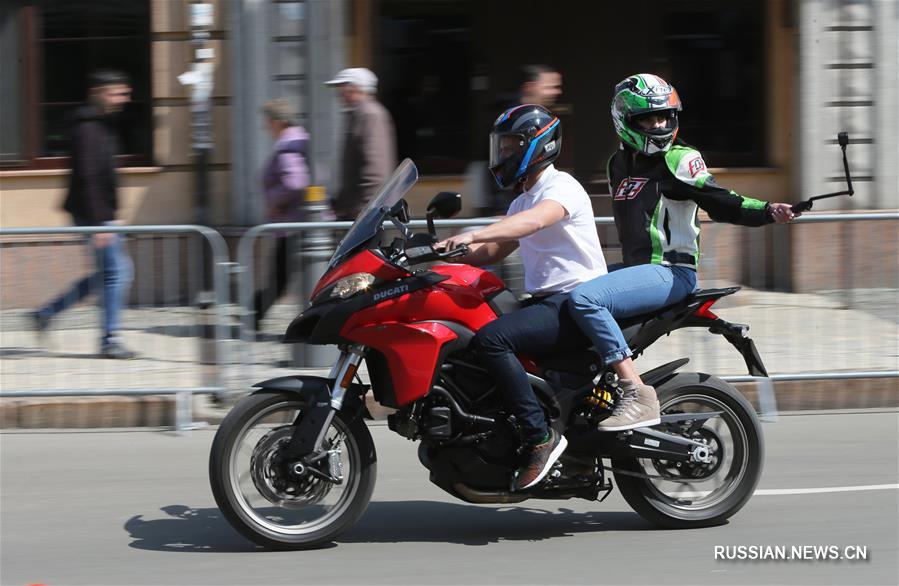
(293, 464)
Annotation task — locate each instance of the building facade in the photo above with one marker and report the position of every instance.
(766, 86)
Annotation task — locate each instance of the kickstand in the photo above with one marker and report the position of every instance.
(608, 488)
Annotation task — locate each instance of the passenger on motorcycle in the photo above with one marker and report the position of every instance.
(657, 183)
(551, 220)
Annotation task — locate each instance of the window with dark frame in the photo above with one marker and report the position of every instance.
(425, 67)
(715, 50)
(48, 48)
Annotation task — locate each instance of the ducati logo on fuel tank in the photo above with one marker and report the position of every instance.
(393, 291)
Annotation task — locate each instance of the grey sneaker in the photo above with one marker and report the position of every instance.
(639, 407)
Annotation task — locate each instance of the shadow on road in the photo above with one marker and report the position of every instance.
(430, 521)
(198, 530)
(186, 529)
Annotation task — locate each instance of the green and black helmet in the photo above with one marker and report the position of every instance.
(639, 95)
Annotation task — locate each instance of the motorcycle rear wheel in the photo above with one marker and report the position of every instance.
(725, 485)
(272, 508)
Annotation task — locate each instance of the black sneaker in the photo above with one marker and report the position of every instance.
(539, 461)
(116, 351)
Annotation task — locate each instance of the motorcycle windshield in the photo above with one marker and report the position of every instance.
(369, 220)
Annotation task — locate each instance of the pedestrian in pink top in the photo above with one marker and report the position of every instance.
(284, 181)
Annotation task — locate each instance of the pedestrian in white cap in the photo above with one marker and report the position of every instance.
(369, 147)
(361, 77)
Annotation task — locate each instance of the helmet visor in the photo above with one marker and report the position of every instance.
(655, 123)
(506, 153)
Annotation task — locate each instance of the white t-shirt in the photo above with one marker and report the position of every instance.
(560, 257)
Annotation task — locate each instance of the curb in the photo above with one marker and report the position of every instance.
(159, 410)
(87, 412)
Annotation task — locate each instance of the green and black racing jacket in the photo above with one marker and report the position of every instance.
(655, 201)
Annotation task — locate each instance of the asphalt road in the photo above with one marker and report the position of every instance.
(134, 507)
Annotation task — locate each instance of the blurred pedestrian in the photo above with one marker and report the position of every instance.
(284, 182)
(539, 84)
(536, 84)
(369, 148)
(92, 201)
(533, 84)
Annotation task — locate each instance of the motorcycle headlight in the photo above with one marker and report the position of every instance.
(352, 284)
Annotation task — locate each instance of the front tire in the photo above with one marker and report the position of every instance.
(725, 486)
(269, 506)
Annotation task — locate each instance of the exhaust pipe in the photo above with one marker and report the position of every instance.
(485, 498)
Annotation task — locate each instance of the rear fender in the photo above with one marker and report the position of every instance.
(660, 374)
(737, 335)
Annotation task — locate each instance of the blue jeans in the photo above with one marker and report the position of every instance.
(623, 293)
(114, 273)
(540, 329)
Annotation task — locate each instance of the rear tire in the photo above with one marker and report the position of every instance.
(259, 524)
(654, 505)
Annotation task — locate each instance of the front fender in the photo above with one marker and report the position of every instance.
(310, 388)
(315, 391)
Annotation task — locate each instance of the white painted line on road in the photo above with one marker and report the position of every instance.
(783, 491)
(777, 491)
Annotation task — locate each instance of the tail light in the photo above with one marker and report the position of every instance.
(705, 310)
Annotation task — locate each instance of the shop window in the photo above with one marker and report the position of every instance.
(47, 50)
(715, 53)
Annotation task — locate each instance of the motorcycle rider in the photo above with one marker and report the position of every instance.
(657, 182)
(551, 220)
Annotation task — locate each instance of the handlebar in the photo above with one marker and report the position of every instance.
(429, 253)
(455, 253)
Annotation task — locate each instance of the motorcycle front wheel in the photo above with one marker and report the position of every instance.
(683, 495)
(277, 506)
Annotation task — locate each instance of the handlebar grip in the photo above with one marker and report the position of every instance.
(460, 251)
(417, 251)
(802, 206)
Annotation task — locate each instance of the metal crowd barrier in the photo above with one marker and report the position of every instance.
(787, 327)
(175, 317)
(835, 331)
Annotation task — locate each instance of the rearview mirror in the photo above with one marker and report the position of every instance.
(400, 211)
(445, 204)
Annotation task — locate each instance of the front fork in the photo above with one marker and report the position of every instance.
(343, 372)
(312, 424)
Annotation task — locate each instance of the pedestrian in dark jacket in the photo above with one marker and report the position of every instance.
(369, 147)
(284, 181)
(92, 201)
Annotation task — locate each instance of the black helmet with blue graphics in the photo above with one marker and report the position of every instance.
(524, 139)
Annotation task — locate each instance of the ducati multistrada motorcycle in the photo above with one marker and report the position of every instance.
(293, 464)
